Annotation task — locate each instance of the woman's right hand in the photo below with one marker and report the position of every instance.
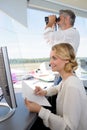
(39, 91)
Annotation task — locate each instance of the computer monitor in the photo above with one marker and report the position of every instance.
(7, 106)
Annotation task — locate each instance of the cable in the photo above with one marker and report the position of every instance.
(1, 97)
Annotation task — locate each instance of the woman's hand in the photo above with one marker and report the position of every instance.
(39, 91)
(32, 106)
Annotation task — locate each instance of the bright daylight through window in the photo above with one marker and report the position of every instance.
(26, 46)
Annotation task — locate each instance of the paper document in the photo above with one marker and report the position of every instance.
(28, 92)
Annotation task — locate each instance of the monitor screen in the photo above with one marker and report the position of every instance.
(6, 83)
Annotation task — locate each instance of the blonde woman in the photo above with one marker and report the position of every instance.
(71, 101)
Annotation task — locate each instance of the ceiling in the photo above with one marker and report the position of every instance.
(78, 6)
(19, 13)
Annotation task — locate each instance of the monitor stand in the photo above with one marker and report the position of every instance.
(5, 111)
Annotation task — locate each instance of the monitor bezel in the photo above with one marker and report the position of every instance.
(8, 90)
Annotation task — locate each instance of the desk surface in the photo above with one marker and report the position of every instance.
(22, 119)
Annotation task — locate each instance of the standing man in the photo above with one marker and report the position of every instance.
(66, 31)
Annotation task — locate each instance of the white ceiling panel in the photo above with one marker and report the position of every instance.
(78, 6)
(17, 9)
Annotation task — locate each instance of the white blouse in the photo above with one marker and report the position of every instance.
(71, 106)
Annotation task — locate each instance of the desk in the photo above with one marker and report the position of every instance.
(36, 82)
(22, 118)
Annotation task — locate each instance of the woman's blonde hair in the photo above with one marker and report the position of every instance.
(66, 52)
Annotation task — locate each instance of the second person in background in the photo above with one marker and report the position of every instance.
(66, 32)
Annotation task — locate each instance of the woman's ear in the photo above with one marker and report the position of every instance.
(67, 61)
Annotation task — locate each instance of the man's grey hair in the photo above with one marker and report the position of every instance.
(68, 13)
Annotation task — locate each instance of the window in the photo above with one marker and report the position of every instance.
(28, 42)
